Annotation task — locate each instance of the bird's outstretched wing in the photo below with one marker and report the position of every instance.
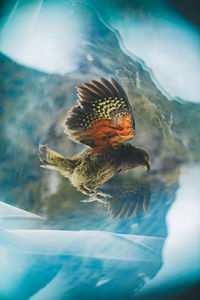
(130, 199)
(103, 119)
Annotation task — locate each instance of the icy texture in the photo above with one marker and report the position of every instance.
(52, 264)
(14, 218)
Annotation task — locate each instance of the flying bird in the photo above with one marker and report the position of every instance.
(103, 121)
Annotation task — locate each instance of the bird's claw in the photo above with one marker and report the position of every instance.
(103, 195)
(92, 199)
(99, 197)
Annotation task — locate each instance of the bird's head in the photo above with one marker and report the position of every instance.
(145, 159)
(136, 157)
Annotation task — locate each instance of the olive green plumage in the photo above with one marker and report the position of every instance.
(89, 170)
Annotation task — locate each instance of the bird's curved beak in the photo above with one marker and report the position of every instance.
(147, 166)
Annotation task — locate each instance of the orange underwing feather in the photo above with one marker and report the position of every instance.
(103, 119)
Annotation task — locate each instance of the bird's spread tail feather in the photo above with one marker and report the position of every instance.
(53, 160)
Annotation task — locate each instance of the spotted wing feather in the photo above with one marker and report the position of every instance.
(103, 119)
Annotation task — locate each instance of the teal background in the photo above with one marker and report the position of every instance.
(52, 246)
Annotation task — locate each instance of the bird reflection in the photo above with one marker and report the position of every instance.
(131, 199)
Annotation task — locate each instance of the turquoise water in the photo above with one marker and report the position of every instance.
(52, 246)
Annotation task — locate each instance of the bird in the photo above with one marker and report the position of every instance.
(103, 121)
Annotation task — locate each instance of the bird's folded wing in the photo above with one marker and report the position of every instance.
(103, 119)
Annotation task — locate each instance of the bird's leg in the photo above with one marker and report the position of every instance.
(83, 190)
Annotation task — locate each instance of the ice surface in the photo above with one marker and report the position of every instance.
(16, 218)
(49, 264)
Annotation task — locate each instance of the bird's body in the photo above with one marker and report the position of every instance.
(103, 121)
(89, 169)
